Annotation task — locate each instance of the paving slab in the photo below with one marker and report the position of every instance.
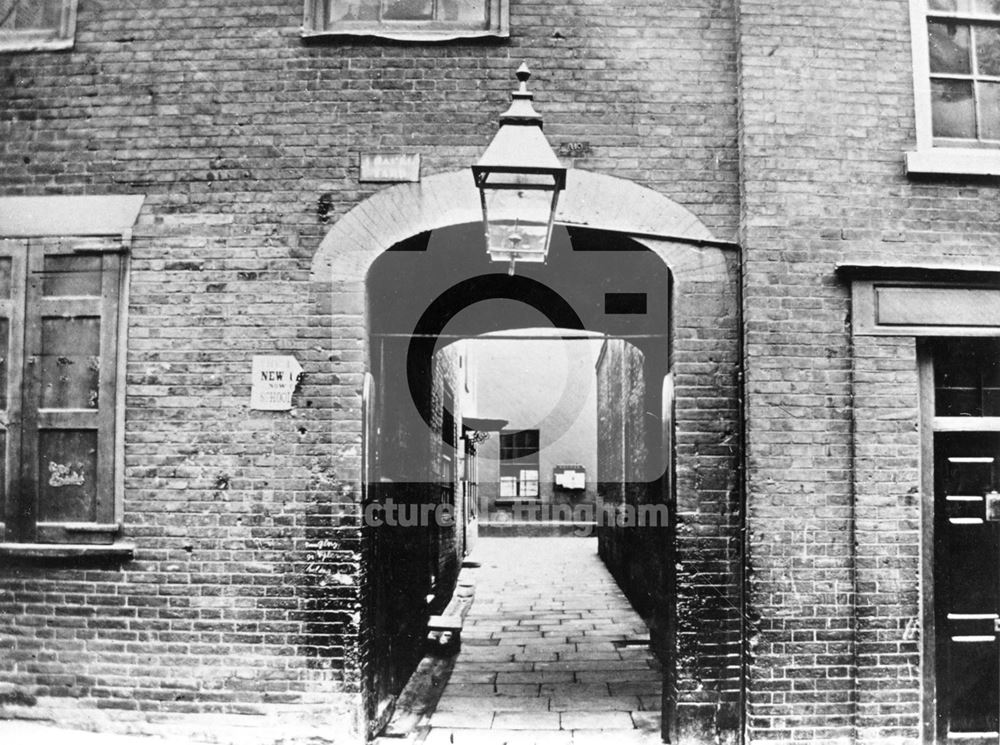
(613, 737)
(518, 689)
(618, 720)
(463, 719)
(537, 676)
(583, 690)
(497, 667)
(498, 737)
(595, 703)
(528, 720)
(32, 733)
(618, 676)
(498, 703)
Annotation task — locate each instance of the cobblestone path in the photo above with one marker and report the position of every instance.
(544, 655)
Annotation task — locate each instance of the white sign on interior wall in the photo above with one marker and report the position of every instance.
(274, 381)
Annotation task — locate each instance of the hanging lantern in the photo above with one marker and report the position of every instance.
(519, 179)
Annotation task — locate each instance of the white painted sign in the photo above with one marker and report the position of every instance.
(569, 478)
(389, 167)
(274, 380)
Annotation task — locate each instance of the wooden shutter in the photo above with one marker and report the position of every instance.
(69, 392)
(18, 520)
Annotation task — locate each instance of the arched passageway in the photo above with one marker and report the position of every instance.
(410, 262)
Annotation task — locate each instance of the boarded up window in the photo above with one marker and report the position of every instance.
(59, 315)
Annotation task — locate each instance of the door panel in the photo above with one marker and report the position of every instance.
(967, 586)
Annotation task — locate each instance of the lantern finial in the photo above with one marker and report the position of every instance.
(521, 111)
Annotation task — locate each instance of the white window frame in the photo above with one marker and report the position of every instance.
(38, 40)
(929, 158)
(520, 475)
(497, 25)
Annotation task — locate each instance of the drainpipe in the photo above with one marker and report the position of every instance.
(743, 491)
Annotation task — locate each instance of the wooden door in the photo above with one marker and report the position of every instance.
(967, 586)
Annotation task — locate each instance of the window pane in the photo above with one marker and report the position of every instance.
(508, 486)
(989, 111)
(5, 264)
(982, 7)
(986, 7)
(4, 352)
(30, 14)
(65, 276)
(354, 10)
(67, 475)
(448, 427)
(520, 444)
(988, 49)
(949, 47)
(529, 483)
(70, 363)
(953, 109)
(407, 10)
(956, 381)
(967, 378)
(3, 464)
(466, 11)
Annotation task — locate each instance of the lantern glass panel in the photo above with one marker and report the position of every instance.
(517, 223)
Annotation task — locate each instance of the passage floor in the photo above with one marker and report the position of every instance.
(551, 653)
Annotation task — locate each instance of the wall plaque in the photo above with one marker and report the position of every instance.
(274, 381)
(382, 167)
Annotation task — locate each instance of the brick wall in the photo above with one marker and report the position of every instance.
(247, 523)
(826, 117)
(707, 524)
(887, 534)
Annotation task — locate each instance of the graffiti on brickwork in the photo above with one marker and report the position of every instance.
(61, 474)
(325, 561)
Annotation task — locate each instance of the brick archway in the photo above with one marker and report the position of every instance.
(700, 570)
(591, 200)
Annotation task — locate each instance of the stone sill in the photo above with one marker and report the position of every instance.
(954, 162)
(12, 43)
(51, 551)
(403, 34)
